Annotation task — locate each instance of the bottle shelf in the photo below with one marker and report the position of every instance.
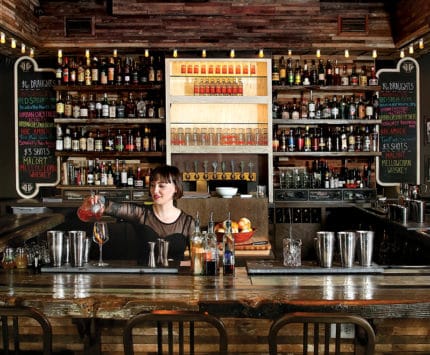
(99, 187)
(107, 155)
(131, 87)
(226, 149)
(221, 100)
(337, 88)
(326, 154)
(330, 121)
(96, 121)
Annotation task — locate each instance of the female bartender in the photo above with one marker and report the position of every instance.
(161, 220)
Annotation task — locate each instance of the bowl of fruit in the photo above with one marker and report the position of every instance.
(242, 230)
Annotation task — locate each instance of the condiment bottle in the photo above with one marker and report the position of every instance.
(228, 249)
(21, 258)
(211, 255)
(8, 261)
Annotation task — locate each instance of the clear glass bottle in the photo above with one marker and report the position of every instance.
(211, 254)
(228, 258)
(8, 261)
(196, 249)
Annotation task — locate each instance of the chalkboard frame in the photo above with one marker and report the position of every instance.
(35, 188)
(418, 124)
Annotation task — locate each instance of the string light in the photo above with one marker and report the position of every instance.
(22, 48)
(232, 53)
(261, 53)
(2, 38)
(146, 53)
(421, 43)
(346, 53)
(13, 43)
(203, 53)
(402, 53)
(374, 54)
(175, 53)
(318, 53)
(411, 49)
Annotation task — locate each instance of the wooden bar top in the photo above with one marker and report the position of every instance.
(15, 229)
(393, 294)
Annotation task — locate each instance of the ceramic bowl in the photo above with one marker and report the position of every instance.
(226, 192)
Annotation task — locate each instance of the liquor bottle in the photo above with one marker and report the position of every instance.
(291, 145)
(126, 72)
(352, 109)
(95, 71)
(59, 106)
(336, 74)
(138, 181)
(361, 109)
(369, 110)
(351, 139)
(83, 113)
(308, 141)
(80, 73)
(329, 73)
(343, 108)
(68, 107)
(105, 106)
(134, 73)
(321, 73)
(112, 109)
(358, 139)
(159, 72)
(376, 109)
(110, 174)
(130, 107)
(65, 72)
(196, 249)
(103, 174)
(98, 142)
(119, 141)
(311, 107)
(75, 141)
(335, 108)
(367, 140)
(322, 141)
(373, 80)
(143, 71)
(90, 172)
(90, 142)
(59, 71)
(129, 146)
(283, 142)
(130, 177)
(59, 142)
(290, 73)
(300, 140)
(67, 140)
(141, 107)
(83, 140)
(318, 109)
(306, 75)
(120, 109)
(211, 254)
(295, 113)
(282, 71)
(354, 76)
(146, 140)
(304, 108)
(117, 174)
(103, 75)
(326, 109)
(97, 172)
(138, 141)
(72, 72)
(363, 76)
(118, 72)
(124, 175)
(109, 141)
(87, 73)
(297, 73)
(91, 107)
(151, 71)
(344, 77)
(314, 73)
(375, 139)
(343, 140)
(228, 250)
(111, 71)
(315, 140)
(276, 75)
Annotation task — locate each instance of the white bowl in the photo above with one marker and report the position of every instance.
(226, 192)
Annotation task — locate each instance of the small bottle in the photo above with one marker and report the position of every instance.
(228, 250)
(8, 261)
(211, 255)
(21, 258)
(124, 175)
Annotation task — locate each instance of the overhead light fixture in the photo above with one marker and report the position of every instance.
(411, 49)
(318, 53)
(2, 38)
(346, 53)
(203, 53)
(261, 53)
(421, 43)
(146, 53)
(13, 43)
(374, 54)
(402, 53)
(22, 48)
(232, 53)
(175, 53)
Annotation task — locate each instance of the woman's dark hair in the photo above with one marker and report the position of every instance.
(169, 174)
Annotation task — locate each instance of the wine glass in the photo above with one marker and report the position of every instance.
(100, 236)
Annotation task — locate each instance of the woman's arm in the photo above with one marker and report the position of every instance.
(126, 211)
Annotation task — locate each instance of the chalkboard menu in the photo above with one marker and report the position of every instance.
(399, 140)
(36, 164)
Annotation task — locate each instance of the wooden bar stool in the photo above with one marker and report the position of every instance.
(331, 340)
(11, 317)
(176, 323)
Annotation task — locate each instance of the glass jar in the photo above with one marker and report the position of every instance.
(8, 261)
(21, 258)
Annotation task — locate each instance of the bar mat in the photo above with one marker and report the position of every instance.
(265, 267)
(110, 270)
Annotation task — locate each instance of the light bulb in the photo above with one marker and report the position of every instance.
(402, 53)
(146, 53)
(87, 53)
(2, 38)
(31, 52)
(175, 53)
(115, 53)
(346, 53)
(22, 48)
(290, 52)
(421, 44)
(60, 53)
(411, 49)
(203, 53)
(261, 53)
(13, 43)
(374, 54)
(232, 54)
(318, 53)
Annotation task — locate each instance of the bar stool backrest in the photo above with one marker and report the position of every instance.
(11, 318)
(176, 329)
(319, 327)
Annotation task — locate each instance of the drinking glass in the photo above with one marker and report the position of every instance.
(100, 236)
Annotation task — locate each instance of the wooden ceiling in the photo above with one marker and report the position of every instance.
(216, 25)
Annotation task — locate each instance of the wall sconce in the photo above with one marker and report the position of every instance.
(374, 54)
(318, 53)
(22, 48)
(421, 44)
(13, 43)
(260, 53)
(346, 53)
(146, 53)
(203, 53)
(175, 53)
(402, 53)
(115, 53)
(411, 49)
(2, 38)
(87, 53)
(232, 54)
